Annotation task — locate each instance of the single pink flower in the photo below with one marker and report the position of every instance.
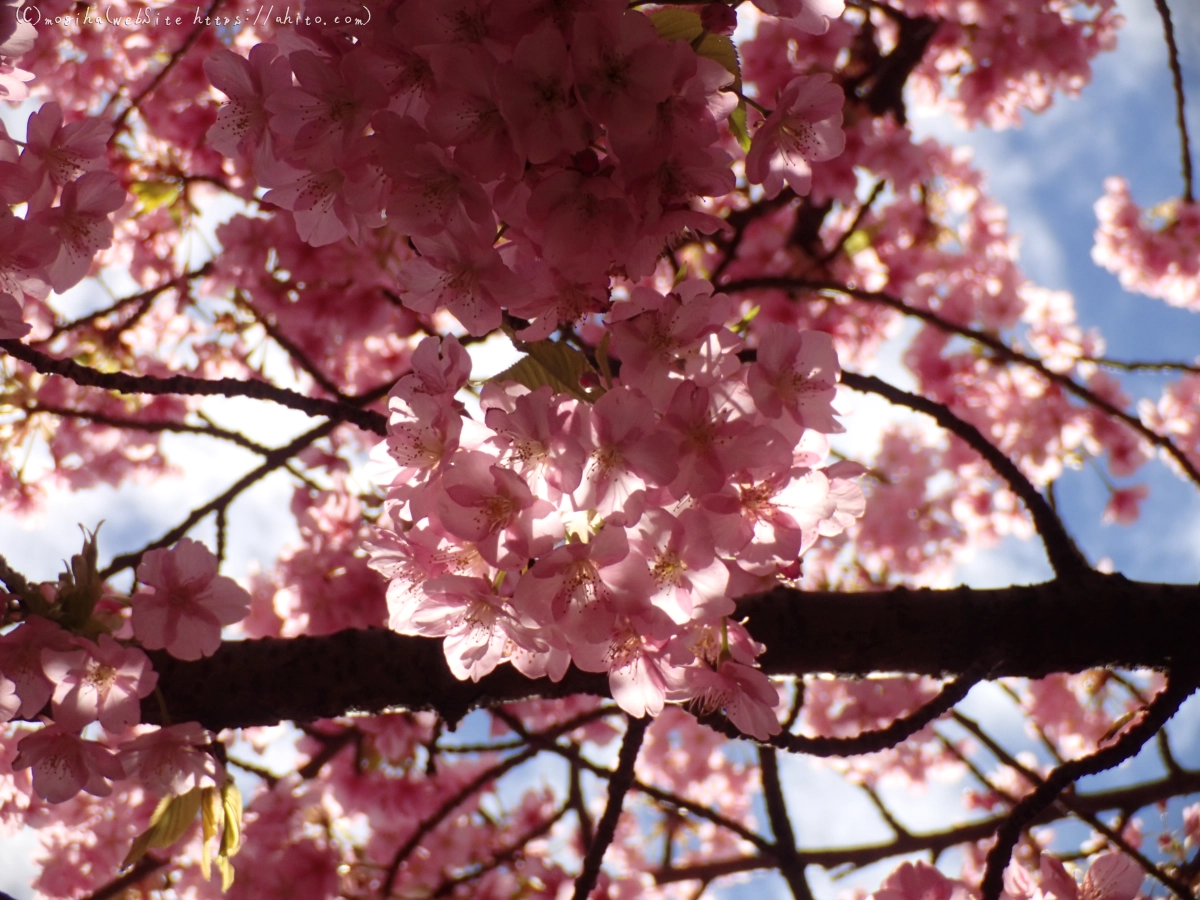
(806, 126)
(808, 15)
(56, 154)
(21, 661)
(1112, 876)
(920, 881)
(12, 326)
(64, 764)
(99, 681)
(1125, 504)
(184, 602)
(80, 222)
(745, 694)
(797, 372)
(170, 761)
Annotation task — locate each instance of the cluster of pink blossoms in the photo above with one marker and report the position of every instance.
(75, 682)
(57, 174)
(612, 529)
(526, 158)
(1159, 259)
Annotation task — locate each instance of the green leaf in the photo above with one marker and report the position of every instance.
(738, 127)
(153, 194)
(172, 817)
(677, 24)
(721, 49)
(856, 242)
(551, 363)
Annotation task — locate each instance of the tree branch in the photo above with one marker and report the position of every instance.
(618, 786)
(1113, 622)
(365, 419)
(1002, 350)
(1180, 686)
(1164, 13)
(1065, 558)
(790, 865)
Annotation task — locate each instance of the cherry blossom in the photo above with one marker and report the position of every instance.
(64, 764)
(101, 681)
(804, 127)
(646, 504)
(184, 602)
(169, 761)
(12, 326)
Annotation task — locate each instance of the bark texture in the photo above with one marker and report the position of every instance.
(1060, 626)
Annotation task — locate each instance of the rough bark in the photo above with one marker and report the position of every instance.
(1032, 631)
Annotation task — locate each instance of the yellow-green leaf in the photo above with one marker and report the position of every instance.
(551, 363)
(738, 127)
(231, 838)
(677, 24)
(212, 820)
(721, 49)
(172, 817)
(153, 194)
(856, 242)
(225, 867)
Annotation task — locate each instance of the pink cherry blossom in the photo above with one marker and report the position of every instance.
(99, 681)
(183, 602)
(1124, 505)
(797, 373)
(920, 881)
(809, 15)
(460, 270)
(64, 764)
(56, 154)
(12, 326)
(80, 222)
(21, 661)
(241, 125)
(537, 97)
(746, 696)
(170, 761)
(804, 127)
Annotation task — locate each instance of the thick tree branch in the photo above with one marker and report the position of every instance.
(1015, 631)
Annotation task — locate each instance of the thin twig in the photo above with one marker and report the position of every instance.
(1065, 558)
(274, 460)
(1113, 835)
(139, 298)
(618, 786)
(1179, 687)
(1142, 365)
(193, 36)
(790, 865)
(448, 806)
(868, 741)
(1164, 13)
(188, 384)
(993, 343)
(572, 754)
(214, 431)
